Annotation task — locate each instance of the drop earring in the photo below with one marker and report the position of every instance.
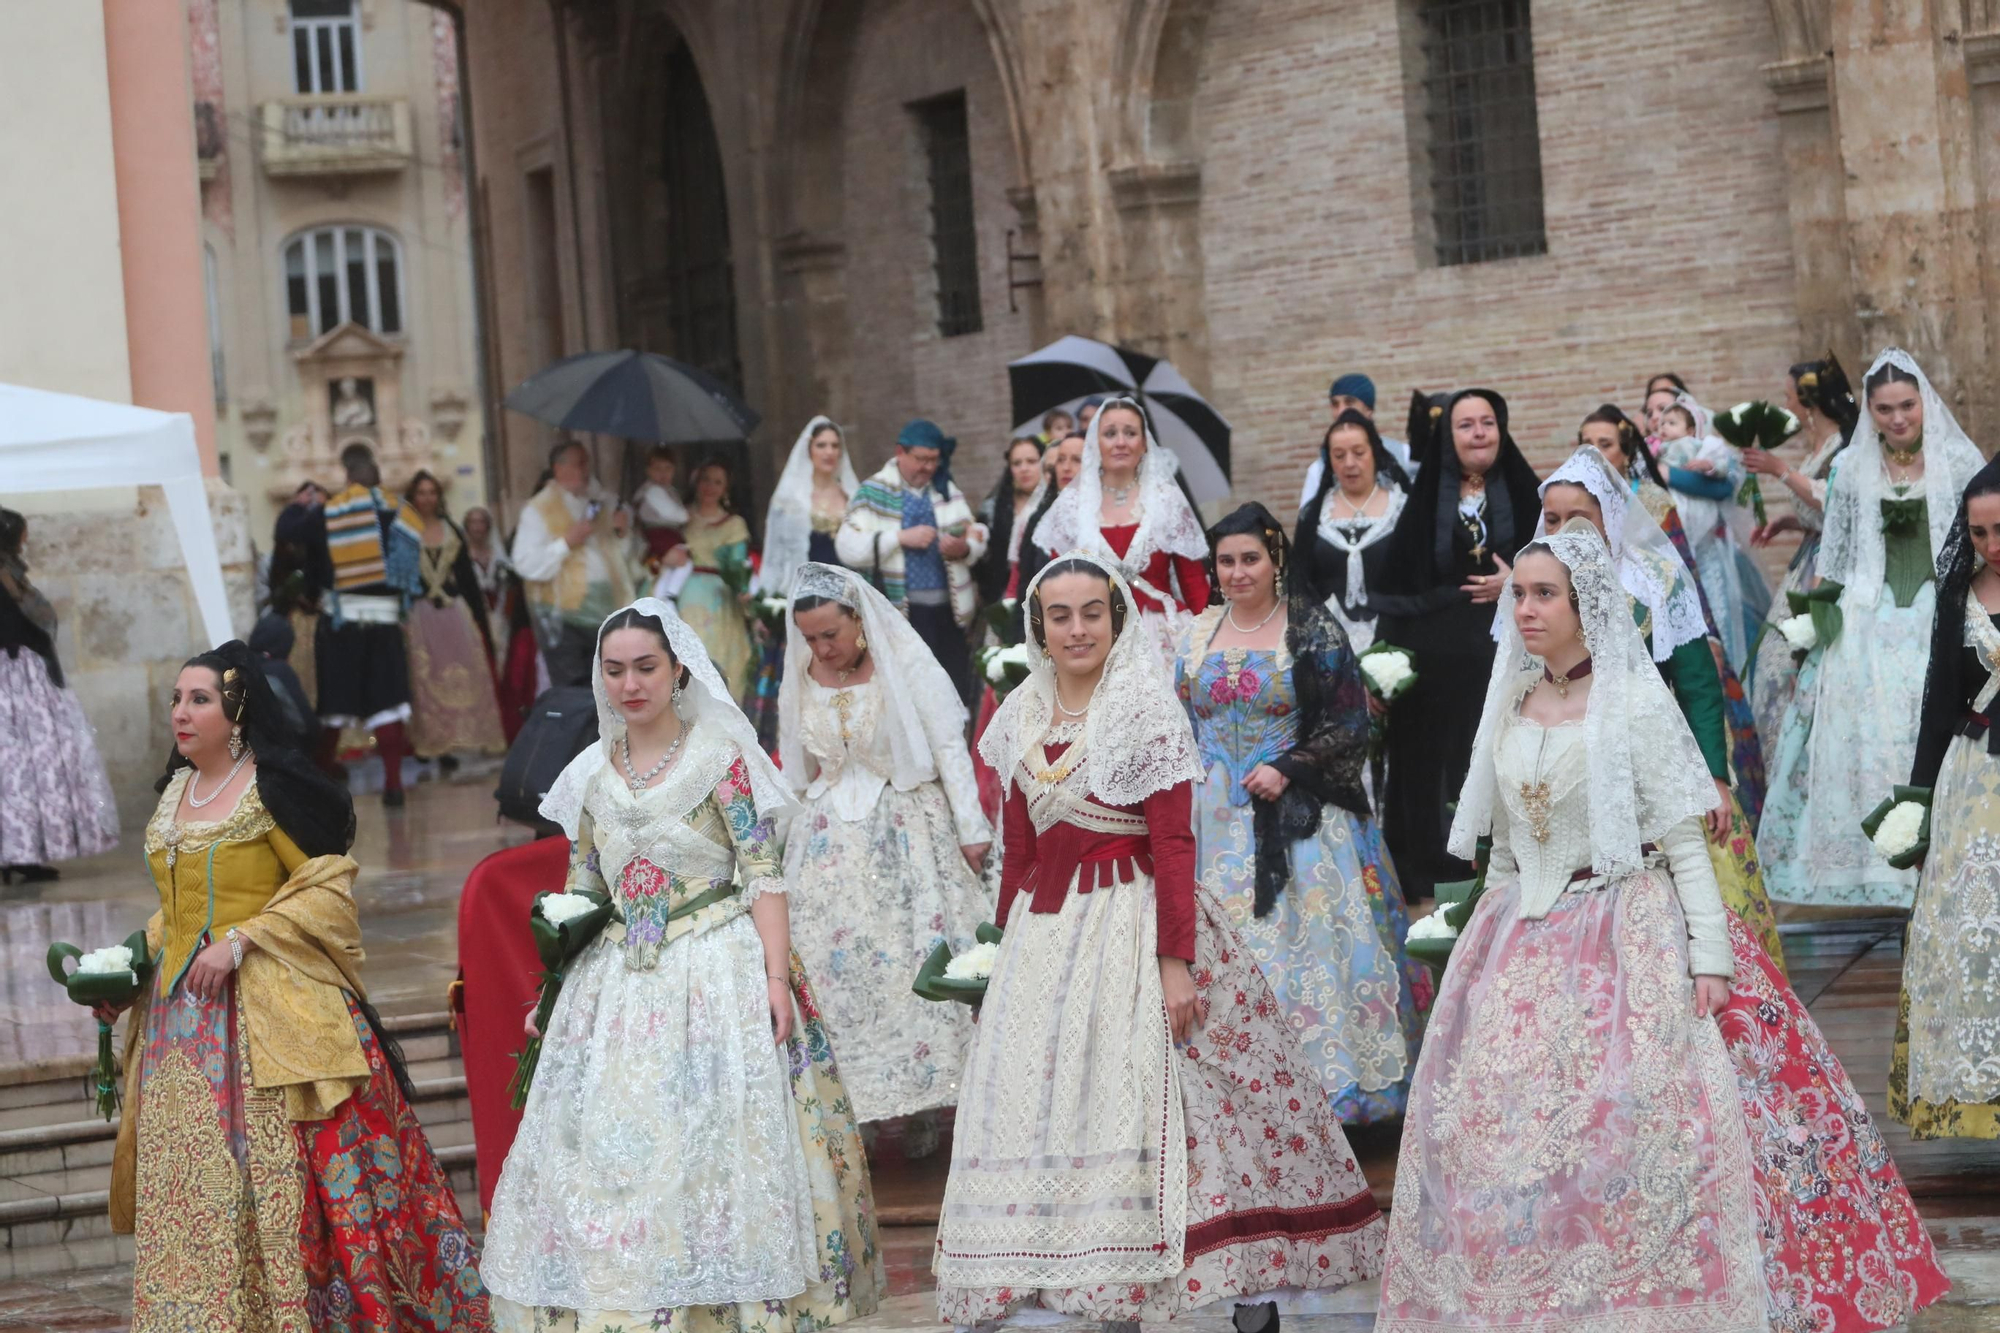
(236, 742)
(861, 642)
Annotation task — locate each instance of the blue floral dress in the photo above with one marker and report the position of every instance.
(1332, 945)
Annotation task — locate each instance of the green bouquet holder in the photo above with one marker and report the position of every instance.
(94, 988)
(557, 946)
(1898, 795)
(1456, 900)
(1403, 686)
(933, 984)
(1823, 605)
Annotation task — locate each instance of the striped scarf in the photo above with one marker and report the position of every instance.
(354, 542)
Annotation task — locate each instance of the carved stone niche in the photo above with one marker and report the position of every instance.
(350, 380)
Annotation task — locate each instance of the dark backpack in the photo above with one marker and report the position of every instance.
(558, 727)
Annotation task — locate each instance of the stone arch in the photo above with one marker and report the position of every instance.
(1157, 71)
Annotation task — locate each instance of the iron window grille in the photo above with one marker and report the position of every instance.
(1485, 144)
(947, 144)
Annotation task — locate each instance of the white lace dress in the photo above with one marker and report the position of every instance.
(877, 881)
(675, 1169)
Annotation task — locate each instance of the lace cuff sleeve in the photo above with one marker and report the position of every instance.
(754, 836)
(1709, 954)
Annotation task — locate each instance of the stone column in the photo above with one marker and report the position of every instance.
(159, 211)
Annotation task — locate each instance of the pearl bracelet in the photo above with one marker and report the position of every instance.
(235, 949)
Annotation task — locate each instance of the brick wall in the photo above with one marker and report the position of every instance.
(902, 367)
(1665, 211)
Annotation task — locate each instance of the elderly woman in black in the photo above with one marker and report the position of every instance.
(1473, 505)
(1344, 529)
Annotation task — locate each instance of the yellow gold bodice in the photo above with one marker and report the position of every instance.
(212, 874)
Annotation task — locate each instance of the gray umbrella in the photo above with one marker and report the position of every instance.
(635, 396)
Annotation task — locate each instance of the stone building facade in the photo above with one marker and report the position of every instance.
(1266, 191)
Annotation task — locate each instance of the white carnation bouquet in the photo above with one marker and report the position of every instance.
(960, 977)
(1004, 667)
(110, 976)
(1900, 827)
(1389, 671)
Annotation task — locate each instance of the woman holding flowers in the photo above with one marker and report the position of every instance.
(1602, 995)
(717, 547)
(269, 1166)
(1130, 1062)
(1344, 528)
(884, 862)
(1283, 833)
(1848, 738)
(1944, 1078)
(1667, 606)
(687, 1159)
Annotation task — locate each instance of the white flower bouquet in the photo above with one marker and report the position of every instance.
(1820, 609)
(1799, 633)
(113, 975)
(962, 977)
(1431, 939)
(1388, 671)
(562, 923)
(1755, 425)
(1900, 827)
(1003, 668)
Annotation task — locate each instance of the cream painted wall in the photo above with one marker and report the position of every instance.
(62, 297)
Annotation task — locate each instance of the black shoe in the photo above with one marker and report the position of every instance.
(1255, 1318)
(32, 874)
(392, 798)
(447, 763)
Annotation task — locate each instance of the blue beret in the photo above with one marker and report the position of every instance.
(1354, 386)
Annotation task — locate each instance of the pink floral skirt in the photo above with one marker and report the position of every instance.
(1101, 1170)
(1582, 1152)
(55, 798)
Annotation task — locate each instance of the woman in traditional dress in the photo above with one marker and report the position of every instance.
(1818, 394)
(717, 538)
(1607, 1132)
(55, 797)
(1282, 827)
(1706, 476)
(1667, 606)
(884, 863)
(1006, 512)
(1063, 462)
(453, 704)
(687, 1159)
(1126, 506)
(1473, 502)
(1852, 726)
(806, 510)
(521, 675)
(1944, 1079)
(1344, 527)
(269, 1165)
(1130, 1061)
(1621, 444)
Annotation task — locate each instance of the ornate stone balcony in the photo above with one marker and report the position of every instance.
(336, 134)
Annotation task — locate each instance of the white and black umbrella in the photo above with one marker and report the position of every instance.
(1072, 369)
(635, 396)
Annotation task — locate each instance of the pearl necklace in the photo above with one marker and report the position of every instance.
(197, 802)
(1360, 510)
(634, 780)
(1067, 711)
(1121, 496)
(1230, 616)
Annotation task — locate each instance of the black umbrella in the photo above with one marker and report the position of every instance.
(1072, 369)
(635, 396)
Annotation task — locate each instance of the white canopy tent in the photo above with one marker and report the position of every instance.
(59, 442)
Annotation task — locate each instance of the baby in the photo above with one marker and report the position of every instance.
(661, 513)
(1685, 445)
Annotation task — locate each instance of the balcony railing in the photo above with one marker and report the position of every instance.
(336, 134)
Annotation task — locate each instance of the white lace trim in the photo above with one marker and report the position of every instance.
(1166, 523)
(1630, 713)
(1649, 566)
(1136, 732)
(788, 522)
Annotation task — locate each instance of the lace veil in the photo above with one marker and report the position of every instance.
(1630, 713)
(1648, 565)
(717, 733)
(788, 522)
(1166, 521)
(922, 701)
(1136, 731)
(1852, 553)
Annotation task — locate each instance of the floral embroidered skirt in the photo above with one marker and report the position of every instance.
(1582, 1152)
(55, 797)
(1944, 1081)
(871, 898)
(1100, 1170)
(676, 1170)
(453, 702)
(247, 1220)
(1331, 948)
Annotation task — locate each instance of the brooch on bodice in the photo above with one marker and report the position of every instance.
(1535, 796)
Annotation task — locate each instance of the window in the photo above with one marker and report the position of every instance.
(1484, 144)
(326, 47)
(337, 274)
(954, 242)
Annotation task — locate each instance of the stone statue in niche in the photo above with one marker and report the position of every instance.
(353, 403)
